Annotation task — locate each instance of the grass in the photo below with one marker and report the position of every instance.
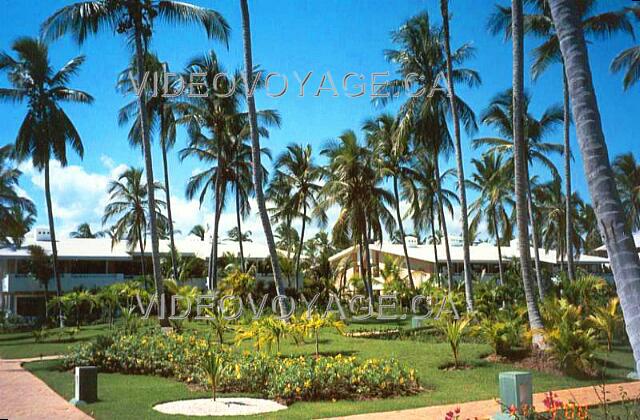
(128, 396)
(22, 344)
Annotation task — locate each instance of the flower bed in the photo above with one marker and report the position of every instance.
(284, 379)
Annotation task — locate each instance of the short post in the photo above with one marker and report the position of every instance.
(86, 380)
(516, 390)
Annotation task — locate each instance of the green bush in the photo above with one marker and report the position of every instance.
(503, 334)
(285, 379)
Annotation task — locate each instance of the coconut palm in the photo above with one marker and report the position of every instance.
(237, 235)
(354, 185)
(160, 111)
(600, 177)
(198, 230)
(16, 212)
(255, 153)
(499, 115)
(519, 134)
(444, 10)
(420, 191)
(46, 129)
(627, 173)
(134, 19)
(84, 231)
(299, 172)
(422, 61)
(129, 208)
(391, 156)
(494, 187)
(539, 23)
(629, 59)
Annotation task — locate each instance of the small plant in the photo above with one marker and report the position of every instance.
(607, 320)
(454, 330)
(219, 324)
(69, 333)
(213, 367)
(312, 325)
(501, 334)
(40, 335)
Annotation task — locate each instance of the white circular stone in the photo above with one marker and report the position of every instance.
(220, 407)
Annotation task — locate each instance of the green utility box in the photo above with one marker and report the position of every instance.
(86, 381)
(516, 389)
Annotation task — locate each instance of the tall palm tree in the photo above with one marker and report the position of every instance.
(539, 23)
(46, 129)
(521, 173)
(627, 173)
(422, 61)
(16, 212)
(391, 155)
(134, 19)
(494, 187)
(629, 59)
(354, 185)
(420, 191)
(160, 110)
(84, 231)
(129, 209)
(300, 173)
(255, 154)
(500, 115)
(600, 178)
(462, 194)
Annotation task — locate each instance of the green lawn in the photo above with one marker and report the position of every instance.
(126, 396)
(22, 344)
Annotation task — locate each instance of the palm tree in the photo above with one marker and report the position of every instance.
(521, 173)
(84, 231)
(198, 230)
(601, 25)
(422, 61)
(298, 171)
(129, 206)
(237, 235)
(134, 19)
(160, 110)
(629, 59)
(421, 191)
(589, 228)
(444, 10)
(40, 269)
(494, 186)
(391, 157)
(46, 129)
(354, 185)
(600, 177)
(255, 154)
(627, 174)
(500, 115)
(16, 212)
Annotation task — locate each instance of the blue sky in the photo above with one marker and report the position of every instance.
(288, 36)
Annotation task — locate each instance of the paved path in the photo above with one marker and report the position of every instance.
(485, 409)
(24, 396)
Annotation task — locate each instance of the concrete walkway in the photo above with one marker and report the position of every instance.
(23, 396)
(588, 396)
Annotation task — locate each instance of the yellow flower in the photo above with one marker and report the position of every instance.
(307, 384)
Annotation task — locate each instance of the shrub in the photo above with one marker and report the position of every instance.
(607, 320)
(501, 334)
(282, 378)
(453, 331)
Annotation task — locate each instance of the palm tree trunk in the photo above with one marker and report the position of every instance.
(165, 165)
(521, 178)
(141, 243)
(602, 187)
(435, 244)
(367, 257)
(468, 285)
(404, 242)
(148, 169)
(214, 241)
(238, 222)
(567, 177)
(304, 222)
(534, 234)
(255, 154)
(500, 269)
(443, 224)
(54, 245)
(46, 302)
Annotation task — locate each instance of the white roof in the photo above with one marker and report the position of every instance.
(480, 254)
(103, 249)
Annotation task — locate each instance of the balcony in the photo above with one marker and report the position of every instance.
(12, 283)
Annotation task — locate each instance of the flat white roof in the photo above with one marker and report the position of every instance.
(636, 239)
